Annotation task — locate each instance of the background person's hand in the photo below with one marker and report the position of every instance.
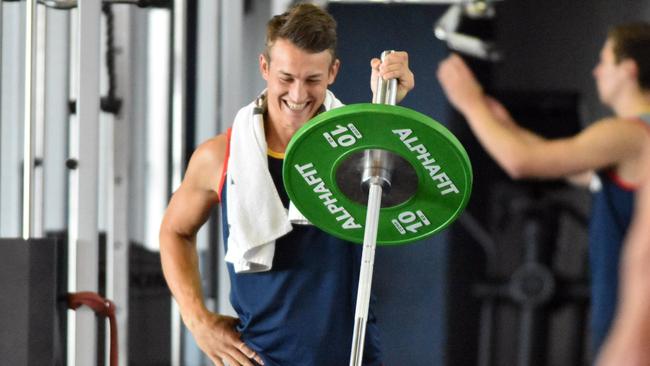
(459, 83)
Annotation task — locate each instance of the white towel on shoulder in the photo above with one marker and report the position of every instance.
(256, 216)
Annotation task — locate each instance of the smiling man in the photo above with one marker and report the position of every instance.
(293, 286)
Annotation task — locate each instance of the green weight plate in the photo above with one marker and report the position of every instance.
(440, 172)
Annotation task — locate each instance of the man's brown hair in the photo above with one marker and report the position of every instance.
(305, 25)
(632, 41)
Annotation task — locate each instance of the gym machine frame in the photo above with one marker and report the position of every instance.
(83, 161)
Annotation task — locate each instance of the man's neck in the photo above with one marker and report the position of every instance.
(632, 105)
(277, 136)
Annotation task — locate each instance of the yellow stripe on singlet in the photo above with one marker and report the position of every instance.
(275, 154)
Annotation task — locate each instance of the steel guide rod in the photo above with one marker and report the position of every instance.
(38, 150)
(377, 174)
(179, 106)
(28, 146)
(83, 243)
(118, 220)
(1, 22)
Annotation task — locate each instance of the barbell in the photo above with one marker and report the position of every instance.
(398, 171)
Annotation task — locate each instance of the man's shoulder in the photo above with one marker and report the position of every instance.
(212, 148)
(207, 161)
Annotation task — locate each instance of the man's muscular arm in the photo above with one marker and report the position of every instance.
(188, 210)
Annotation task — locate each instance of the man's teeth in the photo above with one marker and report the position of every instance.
(296, 107)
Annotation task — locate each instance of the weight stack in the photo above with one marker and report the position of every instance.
(28, 302)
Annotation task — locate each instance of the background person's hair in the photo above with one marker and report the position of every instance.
(632, 41)
(305, 25)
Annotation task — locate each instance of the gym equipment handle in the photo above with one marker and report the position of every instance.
(103, 308)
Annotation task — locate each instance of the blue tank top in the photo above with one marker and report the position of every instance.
(612, 208)
(301, 311)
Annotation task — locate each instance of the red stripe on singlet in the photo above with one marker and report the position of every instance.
(612, 174)
(627, 186)
(224, 168)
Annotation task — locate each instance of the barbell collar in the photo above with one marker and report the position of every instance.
(377, 167)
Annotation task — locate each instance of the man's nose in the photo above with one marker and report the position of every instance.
(297, 92)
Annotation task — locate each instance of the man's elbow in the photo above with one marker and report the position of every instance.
(165, 237)
(517, 169)
(169, 235)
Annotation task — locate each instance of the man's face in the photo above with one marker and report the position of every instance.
(609, 75)
(296, 82)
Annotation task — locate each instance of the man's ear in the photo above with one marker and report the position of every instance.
(264, 66)
(334, 70)
(631, 67)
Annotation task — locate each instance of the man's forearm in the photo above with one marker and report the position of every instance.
(508, 145)
(179, 260)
